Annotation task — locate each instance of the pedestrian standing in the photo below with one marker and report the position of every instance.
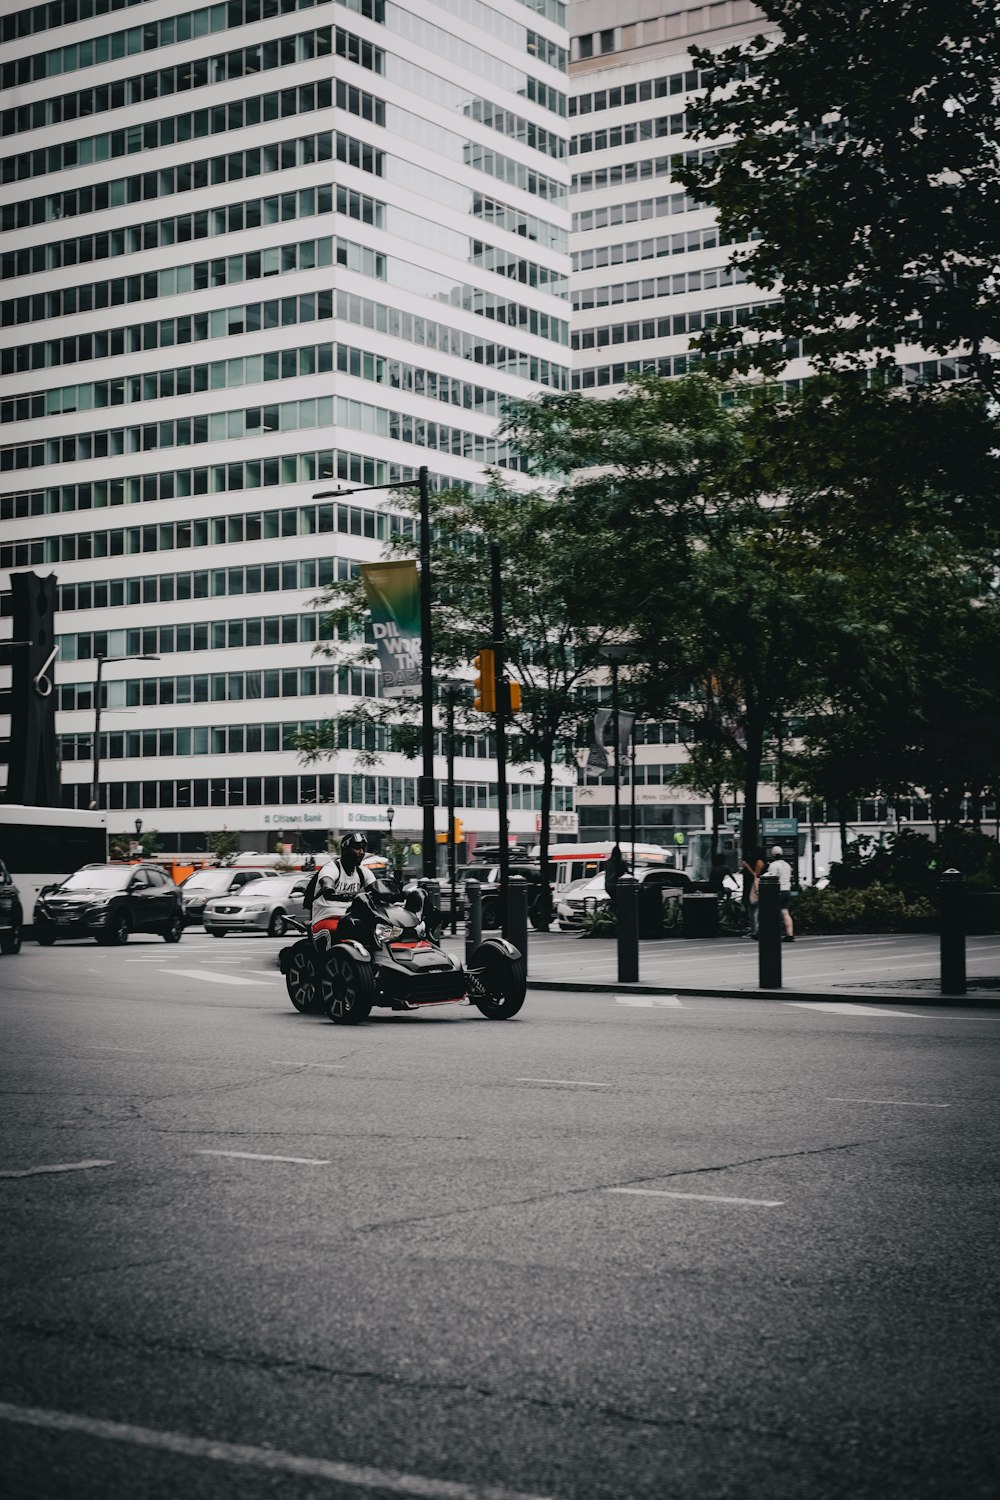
(753, 867)
(779, 866)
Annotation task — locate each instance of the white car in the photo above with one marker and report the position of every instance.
(582, 897)
(260, 906)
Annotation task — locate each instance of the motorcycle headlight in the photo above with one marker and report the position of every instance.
(385, 932)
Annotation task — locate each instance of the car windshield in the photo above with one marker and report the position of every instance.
(209, 880)
(103, 878)
(267, 890)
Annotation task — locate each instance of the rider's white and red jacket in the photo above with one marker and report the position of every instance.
(336, 888)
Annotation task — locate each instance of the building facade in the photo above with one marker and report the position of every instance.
(252, 253)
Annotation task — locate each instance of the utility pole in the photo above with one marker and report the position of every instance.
(426, 782)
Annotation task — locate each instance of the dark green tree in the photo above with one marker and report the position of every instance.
(858, 159)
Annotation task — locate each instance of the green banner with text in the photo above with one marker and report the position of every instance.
(393, 593)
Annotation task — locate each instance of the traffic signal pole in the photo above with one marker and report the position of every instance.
(500, 717)
(426, 783)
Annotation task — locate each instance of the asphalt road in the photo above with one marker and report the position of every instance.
(620, 1247)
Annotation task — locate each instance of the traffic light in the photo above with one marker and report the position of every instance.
(484, 682)
(513, 697)
(459, 830)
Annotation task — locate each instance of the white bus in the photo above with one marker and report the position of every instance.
(42, 845)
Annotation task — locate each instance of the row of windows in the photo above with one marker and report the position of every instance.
(632, 213)
(625, 172)
(205, 583)
(664, 328)
(638, 93)
(657, 286)
(668, 365)
(284, 312)
(364, 313)
(173, 281)
(110, 46)
(293, 791)
(513, 173)
(204, 635)
(450, 48)
(496, 24)
(54, 13)
(251, 369)
(200, 739)
(626, 251)
(519, 129)
(227, 687)
(628, 135)
(181, 229)
(169, 484)
(240, 739)
(256, 421)
(142, 88)
(210, 171)
(193, 125)
(503, 216)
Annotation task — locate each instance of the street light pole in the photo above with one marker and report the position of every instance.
(390, 813)
(618, 751)
(95, 789)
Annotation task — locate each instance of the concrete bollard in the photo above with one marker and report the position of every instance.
(473, 917)
(952, 910)
(626, 902)
(515, 928)
(769, 931)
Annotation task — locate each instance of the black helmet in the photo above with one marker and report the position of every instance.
(355, 846)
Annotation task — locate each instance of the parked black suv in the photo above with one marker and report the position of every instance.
(488, 876)
(11, 916)
(109, 902)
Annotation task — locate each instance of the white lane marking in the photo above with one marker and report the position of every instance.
(214, 978)
(847, 1008)
(268, 972)
(360, 1476)
(302, 1161)
(650, 1002)
(699, 1197)
(905, 1103)
(578, 1083)
(66, 1166)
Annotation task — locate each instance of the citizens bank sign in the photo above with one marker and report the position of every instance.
(300, 817)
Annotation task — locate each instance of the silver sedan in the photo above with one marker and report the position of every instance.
(261, 906)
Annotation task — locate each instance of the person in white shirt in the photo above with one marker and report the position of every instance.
(779, 866)
(337, 884)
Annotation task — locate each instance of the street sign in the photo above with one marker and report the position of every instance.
(735, 816)
(779, 827)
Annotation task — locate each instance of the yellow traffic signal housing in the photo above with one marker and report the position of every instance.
(514, 697)
(459, 828)
(484, 682)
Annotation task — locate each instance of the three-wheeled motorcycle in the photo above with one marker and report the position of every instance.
(382, 954)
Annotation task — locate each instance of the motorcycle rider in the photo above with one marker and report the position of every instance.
(336, 885)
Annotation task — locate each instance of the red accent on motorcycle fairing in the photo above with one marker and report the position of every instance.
(422, 943)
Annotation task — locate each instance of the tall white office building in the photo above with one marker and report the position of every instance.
(253, 251)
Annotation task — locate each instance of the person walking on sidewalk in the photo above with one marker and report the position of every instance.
(779, 866)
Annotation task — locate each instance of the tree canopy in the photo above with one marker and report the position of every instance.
(858, 160)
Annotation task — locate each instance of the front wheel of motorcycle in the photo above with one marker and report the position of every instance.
(499, 987)
(347, 988)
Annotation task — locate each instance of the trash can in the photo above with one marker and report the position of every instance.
(700, 915)
(650, 910)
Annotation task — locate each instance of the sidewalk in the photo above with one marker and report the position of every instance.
(902, 968)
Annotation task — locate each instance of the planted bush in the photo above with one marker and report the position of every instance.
(876, 908)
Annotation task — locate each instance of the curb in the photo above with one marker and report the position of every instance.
(985, 1002)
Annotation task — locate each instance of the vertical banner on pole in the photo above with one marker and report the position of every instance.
(393, 593)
